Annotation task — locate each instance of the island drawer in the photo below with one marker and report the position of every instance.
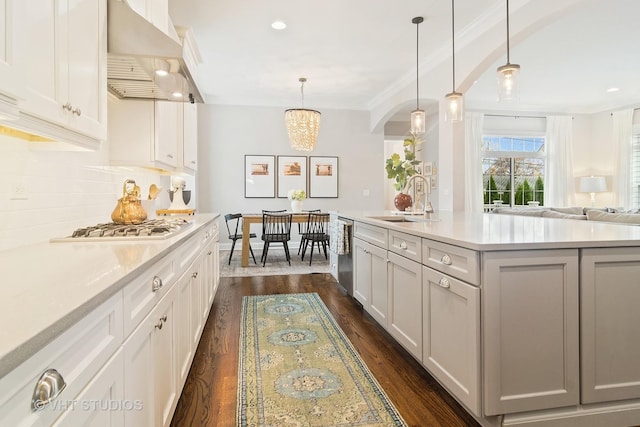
(370, 233)
(455, 261)
(407, 245)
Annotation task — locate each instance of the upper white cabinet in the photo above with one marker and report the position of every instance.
(60, 48)
(157, 134)
(154, 11)
(10, 78)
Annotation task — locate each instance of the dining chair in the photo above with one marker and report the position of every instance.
(317, 224)
(276, 228)
(235, 236)
(302, 228)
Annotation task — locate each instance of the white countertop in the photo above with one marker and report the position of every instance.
(488, 232)
(47, 287)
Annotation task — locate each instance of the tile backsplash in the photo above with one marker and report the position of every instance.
(46, 194)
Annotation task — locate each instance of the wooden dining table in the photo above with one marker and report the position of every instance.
(256, 218)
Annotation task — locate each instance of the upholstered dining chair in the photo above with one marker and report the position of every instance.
(302, 228)
(236, 220)
(317, 226)
(276, 228)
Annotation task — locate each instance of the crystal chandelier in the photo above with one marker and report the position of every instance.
(303, 124)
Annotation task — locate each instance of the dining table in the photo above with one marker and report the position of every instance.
(256, 218)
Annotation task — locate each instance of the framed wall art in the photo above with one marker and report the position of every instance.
(259, 176)
(323, 176)
(292, 174)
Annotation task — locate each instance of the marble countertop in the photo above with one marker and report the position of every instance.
(490, 232)
(48, 287)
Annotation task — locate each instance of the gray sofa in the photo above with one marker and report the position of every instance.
(576, 213)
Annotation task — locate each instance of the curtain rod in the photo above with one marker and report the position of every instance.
(515, 117)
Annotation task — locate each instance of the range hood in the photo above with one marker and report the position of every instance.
(137, 48)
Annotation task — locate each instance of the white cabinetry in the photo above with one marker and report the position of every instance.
(451, 335)
(154, 11)
(156, 134)
(11, 85)
(610, 337)
(370, 279)
(530, 330)
(60, 48)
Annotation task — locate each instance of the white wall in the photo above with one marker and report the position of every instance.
(65, 190)
(228, 133)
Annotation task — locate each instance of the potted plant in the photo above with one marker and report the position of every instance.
(296, 197)
(401, 170)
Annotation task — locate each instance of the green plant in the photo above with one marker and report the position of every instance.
(297, 195)
(400, 169)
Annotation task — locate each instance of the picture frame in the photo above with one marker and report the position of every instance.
(259, 176)
(427, 168)
(292, 174)
(323, 177)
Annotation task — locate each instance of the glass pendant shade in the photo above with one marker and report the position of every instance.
(418, 122)
(508, 82)
(455, 107)
(302, 126)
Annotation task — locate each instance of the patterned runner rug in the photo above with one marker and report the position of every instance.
(297, 368)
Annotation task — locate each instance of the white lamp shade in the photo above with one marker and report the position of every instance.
(593, 184)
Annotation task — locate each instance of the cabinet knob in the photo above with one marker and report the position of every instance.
(156, 283)
(170, 156)
(446, 259)
(159, 324)
(77, 111)
(209, 253)
(49, 386)
(194, 275)
(444, 283)
(67, 106)
(164, 318)
(403, 245)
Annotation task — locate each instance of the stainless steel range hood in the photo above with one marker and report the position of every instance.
(136, 49)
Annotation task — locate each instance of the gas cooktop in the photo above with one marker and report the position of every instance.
(155, 229)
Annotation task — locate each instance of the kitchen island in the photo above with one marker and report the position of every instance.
(525, 321)
(117, 320)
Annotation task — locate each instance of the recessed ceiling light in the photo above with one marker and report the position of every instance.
(161, 73)
(177, 94)
(613, 89)
(278, 25)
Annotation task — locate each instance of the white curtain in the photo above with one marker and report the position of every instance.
(474, 200)
(559, 186)
(623, 140)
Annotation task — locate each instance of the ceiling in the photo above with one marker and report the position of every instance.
(358, 54)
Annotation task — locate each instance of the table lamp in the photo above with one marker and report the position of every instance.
(593, 185)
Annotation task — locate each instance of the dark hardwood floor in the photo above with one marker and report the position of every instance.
(209, 395)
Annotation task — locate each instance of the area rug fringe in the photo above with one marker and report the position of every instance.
(297, 368)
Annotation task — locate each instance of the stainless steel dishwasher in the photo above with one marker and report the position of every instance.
(345, 257)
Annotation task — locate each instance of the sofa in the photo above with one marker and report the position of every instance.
(618, 215)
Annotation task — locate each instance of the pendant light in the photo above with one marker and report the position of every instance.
(455, 102)
(508, 75)
(303, 124)
(417, 116)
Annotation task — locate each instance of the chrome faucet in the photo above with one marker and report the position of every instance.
(428, 208)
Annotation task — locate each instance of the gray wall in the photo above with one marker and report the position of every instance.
(227, 133)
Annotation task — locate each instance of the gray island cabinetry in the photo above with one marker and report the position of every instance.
(525, 321)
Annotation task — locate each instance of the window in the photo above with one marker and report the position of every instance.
(635, 168)
(513, 170)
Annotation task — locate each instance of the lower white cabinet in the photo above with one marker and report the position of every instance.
(530, 330)
(404, 287)
(610, 337)
(101, 403)
(370, 281)
(451, 335)
(150, 365)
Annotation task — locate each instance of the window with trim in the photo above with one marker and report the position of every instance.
(513, 170)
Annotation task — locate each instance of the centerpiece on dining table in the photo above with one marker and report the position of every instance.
(297, 198)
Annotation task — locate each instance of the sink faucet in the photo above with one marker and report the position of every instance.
(428, 209)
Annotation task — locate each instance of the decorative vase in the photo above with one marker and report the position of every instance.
(296, 206)
(402, 201)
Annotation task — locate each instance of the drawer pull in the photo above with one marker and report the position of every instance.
(444, 283)
(209, 253)
(159, 324)
(156, 284)
(446, 259)
(403, 245)
(49, 386)
(194, 275)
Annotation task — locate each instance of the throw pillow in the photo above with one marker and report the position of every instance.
(593, 215)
